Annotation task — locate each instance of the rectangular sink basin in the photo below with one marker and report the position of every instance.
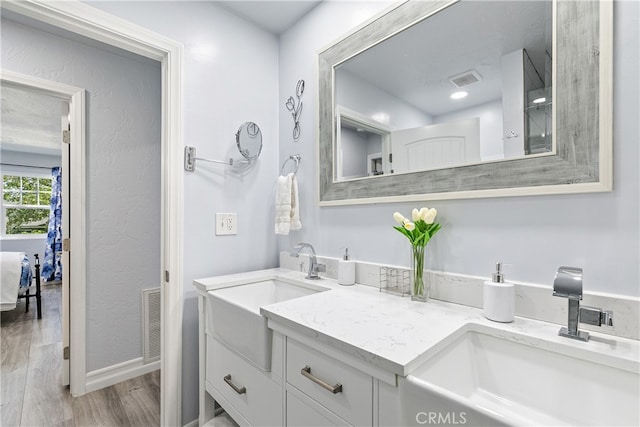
(495, 377)
(233, 315)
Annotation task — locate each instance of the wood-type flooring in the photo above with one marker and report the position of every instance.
(31, 377)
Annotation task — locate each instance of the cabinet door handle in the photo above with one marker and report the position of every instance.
(239, 390)
(306, 372)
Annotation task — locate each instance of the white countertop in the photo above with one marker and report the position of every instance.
(398, 335)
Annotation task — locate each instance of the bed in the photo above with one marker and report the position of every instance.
(16, 280)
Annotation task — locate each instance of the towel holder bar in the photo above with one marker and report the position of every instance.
(296, 158)
(190, 159)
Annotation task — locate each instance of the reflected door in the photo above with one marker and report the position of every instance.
(436, 146)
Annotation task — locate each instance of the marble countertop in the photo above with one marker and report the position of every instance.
(396, 334)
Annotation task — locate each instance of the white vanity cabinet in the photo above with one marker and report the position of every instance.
(237, 384)
(322, 390)
(305, 387)
(352, 356)
(310, 381)
(304, 412)
(250, 395)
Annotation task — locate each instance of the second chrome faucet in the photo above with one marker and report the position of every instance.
(568, 284)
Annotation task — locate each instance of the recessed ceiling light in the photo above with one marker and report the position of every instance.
(459, 95)
(539, 100)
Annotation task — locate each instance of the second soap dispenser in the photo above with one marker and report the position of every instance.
(498, 298)
(346, 270)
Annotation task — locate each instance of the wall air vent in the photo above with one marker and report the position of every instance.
(465, 79)
(151, 324)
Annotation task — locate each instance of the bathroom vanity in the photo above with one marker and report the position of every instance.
(277, 349)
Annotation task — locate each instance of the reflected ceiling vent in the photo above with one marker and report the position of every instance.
(466, 78)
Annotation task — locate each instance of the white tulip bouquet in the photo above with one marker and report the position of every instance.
(419, 232)
(423, 227)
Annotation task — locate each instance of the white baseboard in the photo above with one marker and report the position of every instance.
(115, 374)
(193, 423)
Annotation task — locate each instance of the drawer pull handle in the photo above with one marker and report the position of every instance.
(306, 372)
(241, 390)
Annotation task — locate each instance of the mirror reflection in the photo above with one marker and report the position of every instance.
(434, 97)
(249, 140)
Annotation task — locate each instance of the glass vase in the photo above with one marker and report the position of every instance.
(419, 286)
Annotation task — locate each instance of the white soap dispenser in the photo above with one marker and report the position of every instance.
(346, 270)
(498, 298)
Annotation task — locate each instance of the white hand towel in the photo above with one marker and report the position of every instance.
(295, 205)
(283, 204)
(287, 208)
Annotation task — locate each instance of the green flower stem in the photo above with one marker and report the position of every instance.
(418, 271)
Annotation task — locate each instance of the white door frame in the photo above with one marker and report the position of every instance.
(95, 24)
(65, 256)
(76, 98)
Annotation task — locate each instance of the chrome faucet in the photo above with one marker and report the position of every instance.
(568, 284)
(314, 267)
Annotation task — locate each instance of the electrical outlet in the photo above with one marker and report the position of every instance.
(226, 224)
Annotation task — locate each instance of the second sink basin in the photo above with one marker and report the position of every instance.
(505, 378)
(234, 315)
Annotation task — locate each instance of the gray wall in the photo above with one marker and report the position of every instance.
(123, 178)
(361, 96)
(230, 77)
(354, 153)
(532, 235)
(27, 159)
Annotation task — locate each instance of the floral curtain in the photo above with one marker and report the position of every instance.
(52, 266)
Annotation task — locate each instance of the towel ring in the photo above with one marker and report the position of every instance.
(296, 158)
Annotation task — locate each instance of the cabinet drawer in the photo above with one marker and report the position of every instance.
(301, 413)
(353, 401)
(261, 400)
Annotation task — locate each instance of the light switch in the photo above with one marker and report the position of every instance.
(226, 224)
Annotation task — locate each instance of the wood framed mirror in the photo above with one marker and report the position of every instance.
(579, 154)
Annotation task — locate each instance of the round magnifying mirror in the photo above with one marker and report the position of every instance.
(249, 140)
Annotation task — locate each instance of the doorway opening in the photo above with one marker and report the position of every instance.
(35, 167)
(84, 20)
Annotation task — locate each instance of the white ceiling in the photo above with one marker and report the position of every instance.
(30, 121)
(273, 16)
(415, 65)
